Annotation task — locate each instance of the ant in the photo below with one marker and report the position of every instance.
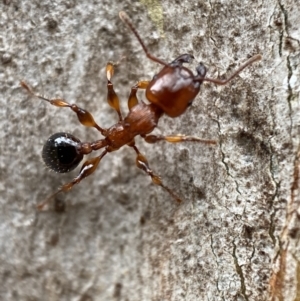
(170, 92)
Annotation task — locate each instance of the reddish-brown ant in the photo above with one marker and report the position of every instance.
(170, 92)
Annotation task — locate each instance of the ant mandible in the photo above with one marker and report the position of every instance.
(170, 92)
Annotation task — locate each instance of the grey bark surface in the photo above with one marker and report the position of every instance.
(236, 235)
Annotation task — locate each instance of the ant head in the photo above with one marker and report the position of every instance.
(173, 90)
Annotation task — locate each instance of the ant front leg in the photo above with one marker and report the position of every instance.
(143, 164)
(112, 97)
(88, 167)
(132, 99)
(84, 117)
(176, 139)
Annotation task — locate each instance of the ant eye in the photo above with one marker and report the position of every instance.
(60, 152)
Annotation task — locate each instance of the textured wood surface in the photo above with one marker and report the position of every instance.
(235, 237)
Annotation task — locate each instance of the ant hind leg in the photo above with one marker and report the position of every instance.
(88, 167)
(143, 164)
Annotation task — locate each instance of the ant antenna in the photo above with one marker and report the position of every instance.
(124, 17)
(255, 58)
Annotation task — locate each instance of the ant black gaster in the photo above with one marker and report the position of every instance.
(170, 92)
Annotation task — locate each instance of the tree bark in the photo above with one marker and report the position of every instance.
(117, 236)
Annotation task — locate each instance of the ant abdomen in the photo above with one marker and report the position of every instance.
(61, 152)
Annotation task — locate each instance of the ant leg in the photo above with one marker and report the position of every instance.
(88, 167)
(132, 99)
(143, 164)
(84, 116)
(201, 78)
(112, 97)
(176, 139)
